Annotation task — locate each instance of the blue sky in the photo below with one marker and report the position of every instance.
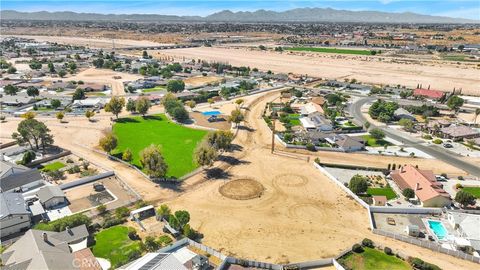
(453, 8)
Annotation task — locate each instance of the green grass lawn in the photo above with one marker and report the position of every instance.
(57, 165)
(153, 89)
(294, 119)
(331, 50)
(177, 142)
(388, 192)
(372, 259)
(475, 191)
(370, 141)
(114, 245)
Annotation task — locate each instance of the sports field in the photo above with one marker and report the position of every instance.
(330, 50)
(177, 143)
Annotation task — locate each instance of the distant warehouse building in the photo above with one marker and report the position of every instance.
(428, 191)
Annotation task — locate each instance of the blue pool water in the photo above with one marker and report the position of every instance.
(437, 228)
(210, 113)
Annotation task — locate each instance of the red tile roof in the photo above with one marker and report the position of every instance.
(428, 187)
(434, 94)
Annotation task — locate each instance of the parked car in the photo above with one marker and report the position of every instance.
(447, 145)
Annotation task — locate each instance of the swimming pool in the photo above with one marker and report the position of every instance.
(438, 229)
(210, 113)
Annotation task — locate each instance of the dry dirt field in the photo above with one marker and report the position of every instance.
(363, 68)
(201, 80)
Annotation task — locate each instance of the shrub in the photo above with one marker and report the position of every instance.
(310, 147)
(458, 186)
(61, 224)
(357, 248)
(422, 265)
(388, 251)
(102, 209)
(122, 212)
(140, 204)
(112, 222)
(56, 174)
(427, 137)
(151, 244)
(132, 234)
(69, 160)
(367, 243)
(408, 193)
(164, 240)
(444, 175)
(74, 169)
(134, 254)
(437, 141)
(460, 177)
(317, 160)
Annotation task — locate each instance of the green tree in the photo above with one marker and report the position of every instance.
(79, 94)
(142, 105)
(183, 217)
(34, 133)
(153, 162)
(464, 198)
(455, 102)
(191, 104)
(408, 193)
(115, 105)
(34, 64)
(239, 102)
(131, 106)
(367, 125)
(108, 142)
(164, 211)
(89, 114)
(72, 66)
(173, 221)
(210, 101)
(60, 116)
(377, 133)
(28, 157)
(220, 139)
(236, 116)
(11, 70)
(51, 67)
(32, 91)
(127, 155)
(151, 244)
(55, 103)
(205, 154)
(175, 86)
(62, 73)
(180, 114)
(358, 184)
(10, 90)
(407, 124)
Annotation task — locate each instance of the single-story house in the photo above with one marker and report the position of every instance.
(17, 100)
(428, 191)
(428, 93)
(51, 196)
(14, 216)
(310, 108)
(90, 103)
(401, 113)
(38, 249)
(346, 143)
(17, 177)
(467, 226)
(458, 132)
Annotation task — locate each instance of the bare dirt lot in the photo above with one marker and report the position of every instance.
(201, 80)
(367, 69)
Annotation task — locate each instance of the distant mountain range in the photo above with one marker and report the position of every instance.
(293, 15)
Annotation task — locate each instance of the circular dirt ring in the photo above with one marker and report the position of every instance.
(290, 180)
(242, 189)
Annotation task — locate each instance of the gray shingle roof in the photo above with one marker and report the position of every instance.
(19, 179)
(12, 204)
(32, 252)
(48, 192)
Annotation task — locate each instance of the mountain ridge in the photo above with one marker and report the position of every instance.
(261, 15)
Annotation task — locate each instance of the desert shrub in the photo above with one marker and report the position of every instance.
(388, 251)
(427, 137)
(69, 160)
(102, 209)
(357, 248)
(112, 222)
(437, 141)
(460, 177)
(310, 147)
(74, 169)
(367, 243)
(458, 186)
(122, 212)
(132, 234)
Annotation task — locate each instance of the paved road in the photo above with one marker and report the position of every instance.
(434, 151)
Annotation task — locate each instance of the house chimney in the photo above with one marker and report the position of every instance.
(45, 237)
(417, 186)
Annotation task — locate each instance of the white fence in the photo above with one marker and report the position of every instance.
(427, 244)
(341, 185)
(337, 265)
